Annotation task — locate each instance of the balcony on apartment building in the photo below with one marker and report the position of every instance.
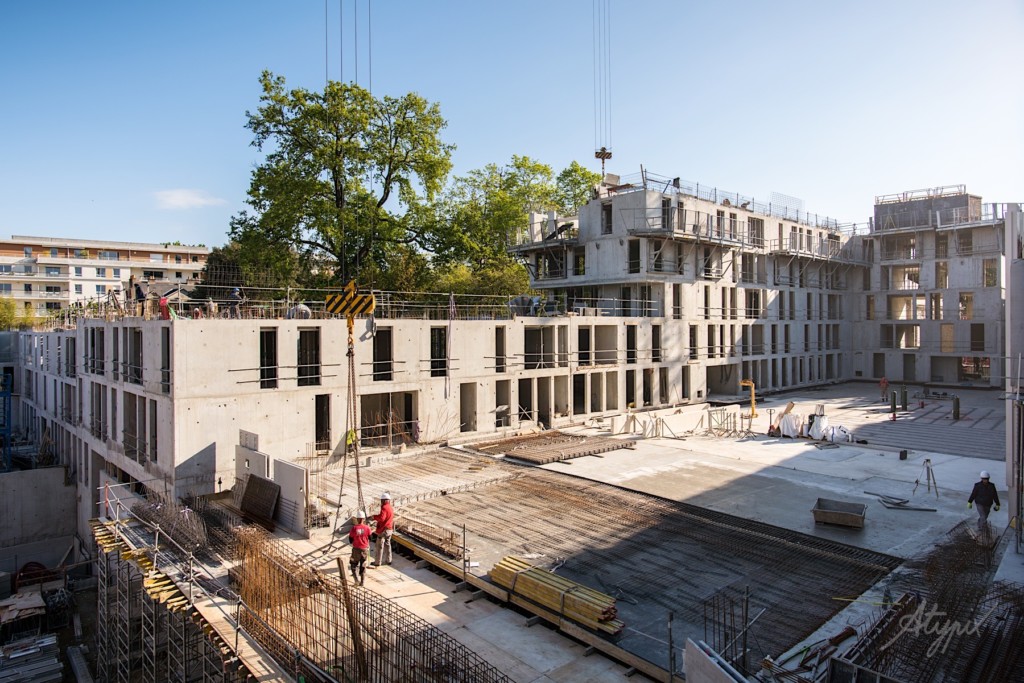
(804, 245)
(691, 224)
(66, 257)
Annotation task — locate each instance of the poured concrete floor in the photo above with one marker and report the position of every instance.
(775, 481)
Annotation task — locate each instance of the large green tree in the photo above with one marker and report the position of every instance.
(574, 187)
(486, 212)
(8, 313)
(487, 208)
(349, 179)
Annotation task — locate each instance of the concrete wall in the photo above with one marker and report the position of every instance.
(291, 507)
(36, 505)
(702, 666)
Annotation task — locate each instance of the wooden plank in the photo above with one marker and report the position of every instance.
(653, 671)
(453, 569)
(251, 654)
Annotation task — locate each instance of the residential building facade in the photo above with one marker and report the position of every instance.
(932, 301)
(47, 274)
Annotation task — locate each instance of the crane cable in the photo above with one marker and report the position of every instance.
(602, 81)
(351, 434)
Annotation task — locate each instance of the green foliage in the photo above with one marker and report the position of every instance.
(488, 207)
(27, 319)
(353, 186)
(508, 278)
(574, 188)
(348, 177)
(8, 313)
(408, 270)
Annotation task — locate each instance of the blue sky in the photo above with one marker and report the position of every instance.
(125, 120)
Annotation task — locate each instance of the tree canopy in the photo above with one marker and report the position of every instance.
(348, 179)
(488, 208)
(356, 186)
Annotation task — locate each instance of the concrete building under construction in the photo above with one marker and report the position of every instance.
(656, 301)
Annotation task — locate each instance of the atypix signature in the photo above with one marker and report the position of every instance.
(924, 621)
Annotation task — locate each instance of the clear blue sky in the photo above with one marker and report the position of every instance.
(125, 120)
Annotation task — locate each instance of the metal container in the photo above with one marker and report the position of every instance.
(828, 511)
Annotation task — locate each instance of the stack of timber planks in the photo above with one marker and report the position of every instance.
(585, 606)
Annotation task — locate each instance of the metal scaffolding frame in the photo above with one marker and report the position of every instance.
(127, 583)
(103, 650)
(180, 657)
(153, 620)
(147, 630)
(155, 602)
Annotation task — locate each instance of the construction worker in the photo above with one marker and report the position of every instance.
(234, 300)
(359, 536)
(984, 494)
(385, 521)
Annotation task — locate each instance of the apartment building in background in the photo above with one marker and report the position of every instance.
(47, 274)
(932, 302)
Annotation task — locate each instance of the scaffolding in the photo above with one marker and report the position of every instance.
(146, 629)
(163, 616)
(341, 631)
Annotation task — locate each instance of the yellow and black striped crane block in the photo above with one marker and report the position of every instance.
(350, 302)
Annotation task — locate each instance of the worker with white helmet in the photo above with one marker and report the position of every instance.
(385, 520)
(985, 495)
(359, 536)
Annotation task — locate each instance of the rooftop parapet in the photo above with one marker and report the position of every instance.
(928, 193)
(650, 181)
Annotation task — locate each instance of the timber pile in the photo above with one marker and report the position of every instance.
(572, 600)
(551, 446)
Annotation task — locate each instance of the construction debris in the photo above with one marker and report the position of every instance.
(32, 659)
(180, 523)
(551, 446)
(898, 503)
(569, 599)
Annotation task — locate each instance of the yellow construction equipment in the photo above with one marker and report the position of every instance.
(753, 401)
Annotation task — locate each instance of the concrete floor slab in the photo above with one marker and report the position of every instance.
(775, 481)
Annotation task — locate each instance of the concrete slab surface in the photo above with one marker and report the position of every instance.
(771, 480)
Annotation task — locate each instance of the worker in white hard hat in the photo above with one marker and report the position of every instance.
(385, 521)
(985, 495)
(359, 536)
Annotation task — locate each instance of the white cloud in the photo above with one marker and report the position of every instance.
(175, 200)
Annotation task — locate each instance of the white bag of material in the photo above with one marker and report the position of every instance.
(841, 433)
(819, 428)
(790, 425)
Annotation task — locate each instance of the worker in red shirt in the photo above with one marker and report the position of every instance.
(385, 521)
(359, 536)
